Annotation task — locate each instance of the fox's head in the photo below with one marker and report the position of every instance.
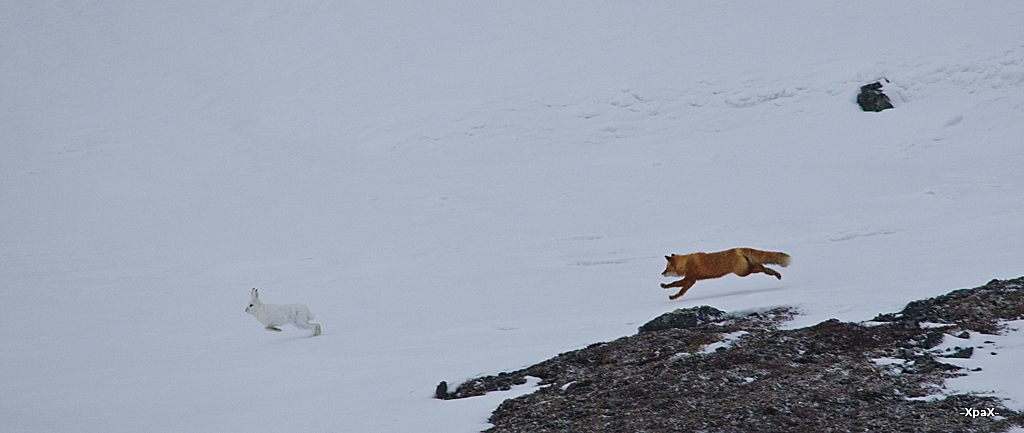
(676, 266)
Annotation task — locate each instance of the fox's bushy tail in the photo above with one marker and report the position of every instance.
(766, 257)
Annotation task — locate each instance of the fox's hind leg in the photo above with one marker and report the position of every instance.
(760, 268)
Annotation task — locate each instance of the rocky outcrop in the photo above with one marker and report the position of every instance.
(815, 379)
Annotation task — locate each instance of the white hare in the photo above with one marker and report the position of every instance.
(277, 315)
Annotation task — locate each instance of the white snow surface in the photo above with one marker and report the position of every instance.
(462, 188)
(994, 367)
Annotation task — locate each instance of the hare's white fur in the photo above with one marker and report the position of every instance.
(277, 315)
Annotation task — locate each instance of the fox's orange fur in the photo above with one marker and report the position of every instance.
(702, 266)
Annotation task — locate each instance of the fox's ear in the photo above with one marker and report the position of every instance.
(666, 258)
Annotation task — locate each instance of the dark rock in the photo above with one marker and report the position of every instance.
(962, 353)
(871, 98)
(481, 385)
(684, 318)
(442, 391)
(931, 339)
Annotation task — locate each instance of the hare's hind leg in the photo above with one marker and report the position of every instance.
(302, 321)
(315, 327)
(273, 328)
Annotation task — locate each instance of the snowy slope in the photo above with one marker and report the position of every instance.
(458, 189)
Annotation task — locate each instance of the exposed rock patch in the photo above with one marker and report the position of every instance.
(979, 309)
(831, 377)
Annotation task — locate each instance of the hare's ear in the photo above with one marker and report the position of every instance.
(255, 294)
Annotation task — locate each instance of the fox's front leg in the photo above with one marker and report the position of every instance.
(273, 328)
(685, 283)
(673, 284)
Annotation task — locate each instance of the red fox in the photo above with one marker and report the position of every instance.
(702, 266)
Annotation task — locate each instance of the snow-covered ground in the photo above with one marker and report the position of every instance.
(463, 188)
(994, 366)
